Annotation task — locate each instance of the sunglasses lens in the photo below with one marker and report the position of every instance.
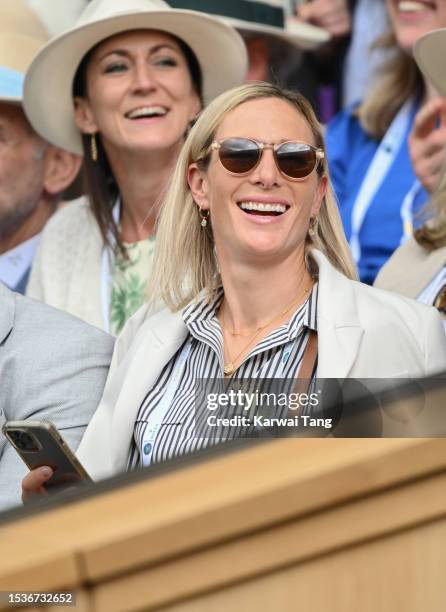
(239, 155)
(296, 160)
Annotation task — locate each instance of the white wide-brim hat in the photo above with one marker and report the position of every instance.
(261, 17)
(58, 15)
(16, 54)
(430, 54)
(22, 35)
(48, 99)
(17, 16)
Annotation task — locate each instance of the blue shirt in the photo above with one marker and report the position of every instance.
(350, 151)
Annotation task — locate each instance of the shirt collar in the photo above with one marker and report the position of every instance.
(206, 310)
(15, 262)
(203, 309)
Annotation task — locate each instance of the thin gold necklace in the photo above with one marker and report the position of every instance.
(229, 367)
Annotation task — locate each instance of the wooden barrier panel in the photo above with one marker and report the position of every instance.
(343, 525)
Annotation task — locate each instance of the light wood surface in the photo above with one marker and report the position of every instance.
(400, 573)
(242, 521)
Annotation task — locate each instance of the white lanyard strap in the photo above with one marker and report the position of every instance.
(106, 270)
(157, 416)
(378, 169)
(407, 210)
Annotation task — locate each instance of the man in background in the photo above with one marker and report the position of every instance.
(33, 173)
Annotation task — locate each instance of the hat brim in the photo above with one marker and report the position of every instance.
(11, 99)
(429, 53)
(47, 98)
(303, 36)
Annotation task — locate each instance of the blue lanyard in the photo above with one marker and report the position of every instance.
(377, 172)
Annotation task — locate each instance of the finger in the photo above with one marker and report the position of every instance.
(430, 165)
(324, 9)
(428, 116)
(442, 111)
(436, 163)
(430, 171)
(423, 163)
(429, 145)
(432, 182)
(305, 12)
(338, 26)
(33, 482)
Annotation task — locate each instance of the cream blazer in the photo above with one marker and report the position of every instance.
(411, 269)
(362, 333)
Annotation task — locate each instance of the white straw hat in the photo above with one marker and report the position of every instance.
(58, 15)
(22, 35)
(261, 17)
(430, 53)
(16, 53)
(17, 16)
(48, 100)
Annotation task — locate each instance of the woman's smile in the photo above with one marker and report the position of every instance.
(139, 80)
(263, 209)
(147, 113)
(256, 209)
(413, 18)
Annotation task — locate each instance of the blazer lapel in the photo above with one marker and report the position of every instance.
(162, 336)
(7, 312)
(339, 329)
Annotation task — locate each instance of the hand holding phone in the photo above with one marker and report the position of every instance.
(41, 446)
(33, 485)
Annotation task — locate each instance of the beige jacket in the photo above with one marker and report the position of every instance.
(66, 271)
(362, 333)
(410, 269)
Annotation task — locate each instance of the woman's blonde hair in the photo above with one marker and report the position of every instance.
(398, 81)
(185, 264)
(432, 235)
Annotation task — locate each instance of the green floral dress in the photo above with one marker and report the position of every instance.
(129, 282)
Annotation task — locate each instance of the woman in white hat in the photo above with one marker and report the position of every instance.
(121, 88)
(367, 145)
(418, 268)
(256, 273)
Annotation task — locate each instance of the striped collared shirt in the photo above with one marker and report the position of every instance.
(278, 355)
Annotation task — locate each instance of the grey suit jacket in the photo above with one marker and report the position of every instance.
(52, 366)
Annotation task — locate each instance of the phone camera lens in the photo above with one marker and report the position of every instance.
(24, 441)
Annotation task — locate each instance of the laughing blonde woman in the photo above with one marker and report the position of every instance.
(254, 268)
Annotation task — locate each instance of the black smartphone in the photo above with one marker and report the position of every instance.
(39, 443)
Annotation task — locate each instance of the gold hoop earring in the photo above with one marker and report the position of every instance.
(312, 228)
(94, 148)
(204, 214)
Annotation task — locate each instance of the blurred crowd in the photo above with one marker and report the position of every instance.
(250, 188)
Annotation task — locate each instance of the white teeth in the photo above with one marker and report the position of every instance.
(280, 208)
(146, 111)
(407, 7)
